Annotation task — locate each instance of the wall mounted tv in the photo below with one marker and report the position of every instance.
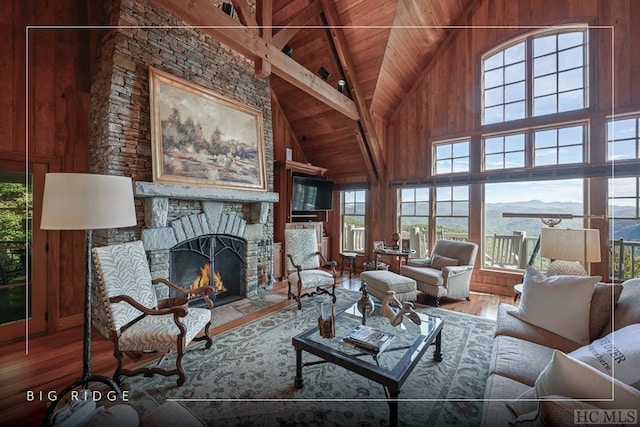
(311, 194)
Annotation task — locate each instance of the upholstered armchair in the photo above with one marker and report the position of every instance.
(304, 266)
(127, 307)
(447, 272)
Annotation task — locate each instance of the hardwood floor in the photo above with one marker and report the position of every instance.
(51, 362)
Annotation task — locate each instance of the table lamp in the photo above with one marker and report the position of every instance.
(78, 201)
(567, 247)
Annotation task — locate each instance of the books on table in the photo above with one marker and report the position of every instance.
(368, 338)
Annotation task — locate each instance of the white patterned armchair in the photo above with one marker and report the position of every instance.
(304, 265)
(126, 302)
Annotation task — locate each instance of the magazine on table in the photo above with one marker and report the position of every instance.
(369, 338)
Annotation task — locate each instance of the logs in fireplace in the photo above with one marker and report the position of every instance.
(215, 260)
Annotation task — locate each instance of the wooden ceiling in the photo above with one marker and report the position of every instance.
(380, 48)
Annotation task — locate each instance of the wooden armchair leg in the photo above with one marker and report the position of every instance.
(119, 359)
(181, 375)
(205, 337)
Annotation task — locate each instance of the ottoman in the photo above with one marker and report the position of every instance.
(380, 281)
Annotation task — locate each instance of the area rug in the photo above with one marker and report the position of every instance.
(246, 378)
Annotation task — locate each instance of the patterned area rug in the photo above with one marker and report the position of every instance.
(246, 379)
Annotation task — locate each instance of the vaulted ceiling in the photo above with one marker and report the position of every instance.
(379, 48)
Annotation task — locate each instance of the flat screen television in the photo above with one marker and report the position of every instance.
(311, 194)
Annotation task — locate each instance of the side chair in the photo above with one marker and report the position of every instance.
(304, 266)
(127, 306)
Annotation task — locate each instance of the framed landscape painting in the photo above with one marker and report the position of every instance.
(202, 138)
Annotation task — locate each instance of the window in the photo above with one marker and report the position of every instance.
(504, 90)
(451, 157)
(557, 196)
(623, 139)
(414, 219)
(452, 212)
(353, 220)
(556, 77)
(559, 70)
(624, 226)
(504, 152)
(559, 146)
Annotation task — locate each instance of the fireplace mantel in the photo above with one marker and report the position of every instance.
(185, 192)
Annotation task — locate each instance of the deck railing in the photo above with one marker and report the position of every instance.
(353, 238)
(625, 266)
(625, 256)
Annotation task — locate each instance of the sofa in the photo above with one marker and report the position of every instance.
(447, 272)
(523, 355)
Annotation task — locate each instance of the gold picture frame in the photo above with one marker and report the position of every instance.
(200, 137)
(378, 245)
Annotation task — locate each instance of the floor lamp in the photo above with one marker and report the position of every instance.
(77, 201)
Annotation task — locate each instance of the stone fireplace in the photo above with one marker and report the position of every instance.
(195, 236)
(120, 134)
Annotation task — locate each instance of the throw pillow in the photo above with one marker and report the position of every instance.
(605, 297)
(440, 262)
(560, 304)
(572, 379)
(617, 354)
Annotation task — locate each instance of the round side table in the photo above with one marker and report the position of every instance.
(517, 290)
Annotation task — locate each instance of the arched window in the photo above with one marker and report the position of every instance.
(540, 74)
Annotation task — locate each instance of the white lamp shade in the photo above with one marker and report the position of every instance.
(78, 201)
(581, 244)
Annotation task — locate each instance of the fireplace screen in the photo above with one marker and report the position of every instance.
(215, 260)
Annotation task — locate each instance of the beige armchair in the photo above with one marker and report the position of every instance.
(447, 273)
(304, 266)
(128, 312)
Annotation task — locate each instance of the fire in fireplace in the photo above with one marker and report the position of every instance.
(215, 260)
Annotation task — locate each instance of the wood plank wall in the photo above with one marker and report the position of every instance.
(58, 92)
(445, 102)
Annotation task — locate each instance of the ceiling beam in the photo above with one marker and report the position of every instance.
(264, 16)
(212, 21)
(244, 14)
(369, 144)
(282, 37)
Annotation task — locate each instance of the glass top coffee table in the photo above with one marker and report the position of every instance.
(391, 367)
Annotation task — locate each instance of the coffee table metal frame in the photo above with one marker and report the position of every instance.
(356, 361)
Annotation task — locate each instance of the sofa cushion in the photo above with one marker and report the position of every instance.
(559, 411)
(605, 297)
(498, 390)
(440, 262)
(627, 310)
(419, 262)
(428, 275)
(566, 376)
(518, 359)
(617, 354)
(512, 326)
(560, 304)
(465, 252)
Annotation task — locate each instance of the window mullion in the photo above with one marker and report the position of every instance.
(529, 78)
